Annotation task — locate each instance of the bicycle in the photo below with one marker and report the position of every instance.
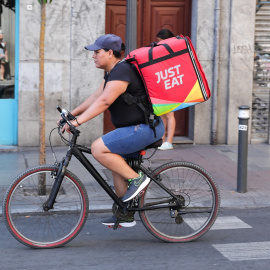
(47, 206)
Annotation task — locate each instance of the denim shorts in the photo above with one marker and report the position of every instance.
(128, 141)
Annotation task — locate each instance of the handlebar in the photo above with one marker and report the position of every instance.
(67, 117)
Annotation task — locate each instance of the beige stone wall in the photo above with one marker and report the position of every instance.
(235, 70)
(240, 83)
(203, 36)
(70, 74)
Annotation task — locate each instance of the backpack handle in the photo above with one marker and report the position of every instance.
(154, 44)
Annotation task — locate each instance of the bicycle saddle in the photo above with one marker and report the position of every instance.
(155, 144)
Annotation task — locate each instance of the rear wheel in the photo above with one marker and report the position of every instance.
(194, 213)
(24, 214)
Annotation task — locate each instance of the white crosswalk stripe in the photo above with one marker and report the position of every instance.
(245, 251)
(240, 251)
(221, 223)
(228, 223)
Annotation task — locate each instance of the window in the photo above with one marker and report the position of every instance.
(7, 49)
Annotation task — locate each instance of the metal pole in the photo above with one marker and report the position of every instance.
(131, 26)
(269, 119)
(242, 149)
(214, 111)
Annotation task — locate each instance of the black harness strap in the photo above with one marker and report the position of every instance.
(150, 119)
(129, 99)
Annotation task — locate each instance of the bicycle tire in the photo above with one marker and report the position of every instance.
(199, 194)
(26, 219)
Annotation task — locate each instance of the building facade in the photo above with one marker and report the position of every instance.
(222, 31)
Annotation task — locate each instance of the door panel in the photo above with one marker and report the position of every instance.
(116, 19)
(8, 133)
(153, 15)
(116, 24)
(173, 15)
(8, 94)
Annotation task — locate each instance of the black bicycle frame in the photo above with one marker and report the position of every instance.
(77, 151)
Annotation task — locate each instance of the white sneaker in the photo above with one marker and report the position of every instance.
(129, 222)
(166, 146)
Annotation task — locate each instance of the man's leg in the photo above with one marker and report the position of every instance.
(112, 161)
(118, 165)
(120, 185)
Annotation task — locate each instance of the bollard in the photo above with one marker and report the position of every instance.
(242, 149)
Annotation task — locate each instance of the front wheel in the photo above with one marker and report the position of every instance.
(189, 216)
(24, 214)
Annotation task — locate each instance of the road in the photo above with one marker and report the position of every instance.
(240, 239)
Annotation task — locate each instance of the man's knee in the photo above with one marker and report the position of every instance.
(95, 149)
(98, 148)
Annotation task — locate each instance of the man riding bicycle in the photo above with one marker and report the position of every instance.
(132, 132)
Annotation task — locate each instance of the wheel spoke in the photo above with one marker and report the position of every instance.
(197, 192)
(30, 224)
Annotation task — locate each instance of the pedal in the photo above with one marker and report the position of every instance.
(116, 224)
(173, 213)
(112, 226)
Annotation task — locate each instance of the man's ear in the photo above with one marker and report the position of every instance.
(110, 53)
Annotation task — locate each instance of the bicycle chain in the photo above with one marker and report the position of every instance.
(119, 214)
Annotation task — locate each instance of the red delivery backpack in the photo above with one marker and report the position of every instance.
(172, 74)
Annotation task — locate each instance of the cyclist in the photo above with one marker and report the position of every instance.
(132, 132)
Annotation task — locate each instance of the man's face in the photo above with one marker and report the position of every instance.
(101, 58)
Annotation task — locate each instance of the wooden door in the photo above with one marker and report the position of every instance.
(153, 15)
(115, 24)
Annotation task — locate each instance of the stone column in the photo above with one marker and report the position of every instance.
(241, 57)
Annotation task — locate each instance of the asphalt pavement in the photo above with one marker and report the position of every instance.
(220, 161)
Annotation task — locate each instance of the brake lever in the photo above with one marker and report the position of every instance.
(67, 116)
(62, 122)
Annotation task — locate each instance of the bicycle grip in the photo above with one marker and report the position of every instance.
(59, 109)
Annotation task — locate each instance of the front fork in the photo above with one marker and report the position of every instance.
(58, 174)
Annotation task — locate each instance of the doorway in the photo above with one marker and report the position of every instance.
(9, 22)
(153, 15)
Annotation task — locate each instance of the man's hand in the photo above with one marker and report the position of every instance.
(66, 127)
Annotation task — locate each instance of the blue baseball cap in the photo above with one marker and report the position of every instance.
(110, 41)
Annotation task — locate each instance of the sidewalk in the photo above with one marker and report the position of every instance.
(220, 161)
